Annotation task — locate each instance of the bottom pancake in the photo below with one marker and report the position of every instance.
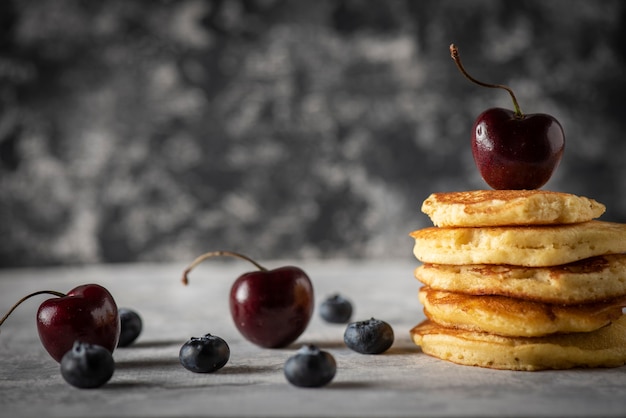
(605, 347)
(514, 317)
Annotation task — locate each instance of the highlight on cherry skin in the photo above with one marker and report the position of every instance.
(513, 150)
(87, 313)
(270, 308)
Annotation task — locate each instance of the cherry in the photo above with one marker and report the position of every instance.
(87, 313)
(270, 308)
(513, 150)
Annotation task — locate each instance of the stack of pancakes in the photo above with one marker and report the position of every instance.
(521, 280)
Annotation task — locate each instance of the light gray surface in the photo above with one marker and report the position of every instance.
(149, 381)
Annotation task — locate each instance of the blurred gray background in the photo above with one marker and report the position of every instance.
(158, 130)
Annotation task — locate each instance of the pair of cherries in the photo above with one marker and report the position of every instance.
(80, 329)
(271, 308)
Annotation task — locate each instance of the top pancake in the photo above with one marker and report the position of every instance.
(509, 207)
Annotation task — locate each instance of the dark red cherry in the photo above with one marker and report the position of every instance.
(87, 313)
(513, 150)
(270, 308)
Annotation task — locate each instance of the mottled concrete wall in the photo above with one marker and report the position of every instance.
(156, 130)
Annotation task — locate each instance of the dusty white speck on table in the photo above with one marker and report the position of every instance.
(149, 380)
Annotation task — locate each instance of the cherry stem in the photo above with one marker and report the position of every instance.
(454, 52)
(211, 254)
(19, 302)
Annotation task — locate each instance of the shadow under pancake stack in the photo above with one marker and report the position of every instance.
(521, 280)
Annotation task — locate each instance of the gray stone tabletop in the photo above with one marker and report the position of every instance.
(149, 381)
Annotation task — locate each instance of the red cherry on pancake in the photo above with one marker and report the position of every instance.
(513, 150)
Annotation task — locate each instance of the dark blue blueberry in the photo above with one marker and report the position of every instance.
(310, 367)
(87, 366)
(372, 336)
(336, 309)
(205, 354)
(131, 326)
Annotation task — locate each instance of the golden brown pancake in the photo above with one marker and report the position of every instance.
(589, 280)
(605, 347)
(509, 207)
(531, 246)
(516, 317)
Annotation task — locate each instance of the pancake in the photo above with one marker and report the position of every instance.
(516, 317)
(531, 246)
(605, 347)
(509, 207)
(589, 280)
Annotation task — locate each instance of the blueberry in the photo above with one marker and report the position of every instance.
(372, 336)
(310, 367)
(336, 309)
(87, 365)
(205, 354)
(131, 326)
